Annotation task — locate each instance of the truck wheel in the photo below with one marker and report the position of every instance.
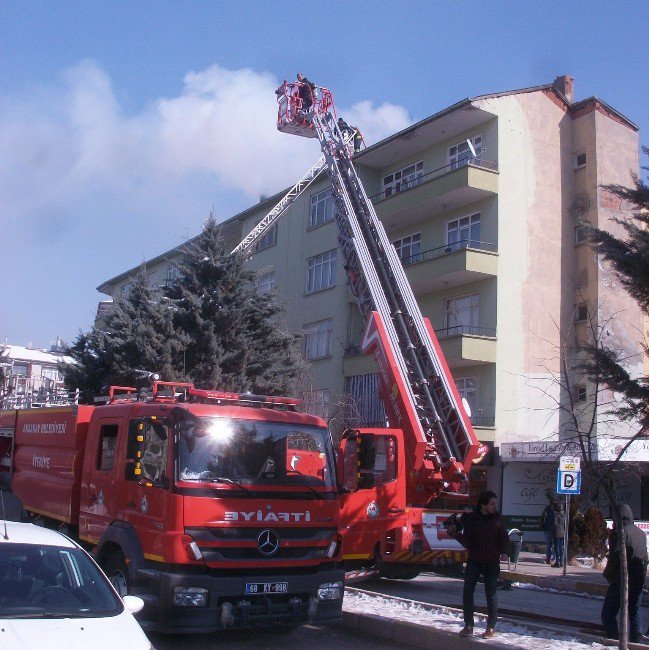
(115, 569)
(399, 572)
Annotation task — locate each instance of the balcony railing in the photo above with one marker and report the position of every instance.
(460, 330)
(406, 185)
(448, 248)
(483, 420)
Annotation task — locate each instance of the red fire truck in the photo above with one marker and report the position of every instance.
(392, 479)
(218, 509)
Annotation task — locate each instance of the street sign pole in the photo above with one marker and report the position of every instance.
(565, 538)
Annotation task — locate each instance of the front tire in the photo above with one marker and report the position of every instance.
(117, 572)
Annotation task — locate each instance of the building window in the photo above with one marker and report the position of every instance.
(151, 279)
(462, 315)
(403, 179)
(467, 387)
(581, 234)
(463, 232)
(269, 238)
(125, 290)
(173, 274)
(408, 248)
(581, 313)
(20, 369)
(460, 154)
(322, 208)
(266, 283)
(317, 403)
(50, 373)
(579, 159)
(321, 271)
(317, 339)
(107, 446)
(579, 393)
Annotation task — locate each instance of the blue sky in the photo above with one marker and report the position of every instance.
(123, 123)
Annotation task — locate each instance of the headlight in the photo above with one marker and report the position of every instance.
(330, 591)
(190, 597)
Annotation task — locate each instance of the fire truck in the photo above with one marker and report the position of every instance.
(391, 479)
(218, 509)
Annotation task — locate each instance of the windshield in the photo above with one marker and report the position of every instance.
(253, 452)
(53, 582)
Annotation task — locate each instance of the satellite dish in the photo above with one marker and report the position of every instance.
(471, 148)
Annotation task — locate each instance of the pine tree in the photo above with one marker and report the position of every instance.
(630, 259)
(90, 371)
(140, 336)
(235, 341)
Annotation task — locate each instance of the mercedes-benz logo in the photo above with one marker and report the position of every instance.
(267, 542)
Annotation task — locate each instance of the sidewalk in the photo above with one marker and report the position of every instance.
(532, 569)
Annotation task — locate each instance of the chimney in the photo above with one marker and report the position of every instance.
(564, 85)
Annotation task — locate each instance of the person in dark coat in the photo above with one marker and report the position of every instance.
(545, 523)
(558, 532)
(484, 536)
(636, 554)
(305, 91)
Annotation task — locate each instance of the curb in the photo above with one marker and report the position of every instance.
(558, 583)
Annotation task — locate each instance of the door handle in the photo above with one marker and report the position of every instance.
(396, 511)
(130, 504)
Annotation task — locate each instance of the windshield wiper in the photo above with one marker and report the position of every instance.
(306, 485)
(229, 481)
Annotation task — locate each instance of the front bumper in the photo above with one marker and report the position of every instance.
(230, 607)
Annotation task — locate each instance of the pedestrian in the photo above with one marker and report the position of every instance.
(636, 555)
(305, 92)
(545, 523)
(558, 533)
(483, 534)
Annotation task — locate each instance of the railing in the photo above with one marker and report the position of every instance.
(483, 420)
(461, 330)
(448, 248)
(406, 185)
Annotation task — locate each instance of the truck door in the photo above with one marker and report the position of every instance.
(375, 503)
(146, 490)
(98, 499)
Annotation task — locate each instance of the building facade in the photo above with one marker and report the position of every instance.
(484, 202)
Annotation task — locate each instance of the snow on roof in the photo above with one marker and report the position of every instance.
(20, 353)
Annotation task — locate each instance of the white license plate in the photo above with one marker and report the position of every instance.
(266, 587)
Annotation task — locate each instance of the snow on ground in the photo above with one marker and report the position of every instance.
(549, 590)
(450, 620)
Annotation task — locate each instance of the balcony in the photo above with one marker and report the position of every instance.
(443, 189)
(467, 345)
(451, 265)
(357, 363)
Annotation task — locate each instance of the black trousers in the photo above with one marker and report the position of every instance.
(490, 572)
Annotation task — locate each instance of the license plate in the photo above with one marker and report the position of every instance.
(266, 587)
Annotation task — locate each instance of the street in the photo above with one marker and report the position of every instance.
(307, 636)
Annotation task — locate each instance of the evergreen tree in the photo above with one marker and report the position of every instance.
(234, 338)
(89, 371)
(140, 336)
(630, 259)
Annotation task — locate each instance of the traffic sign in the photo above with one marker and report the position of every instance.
(569, 463)
(568, 482)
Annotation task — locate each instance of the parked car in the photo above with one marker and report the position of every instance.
(53, 594)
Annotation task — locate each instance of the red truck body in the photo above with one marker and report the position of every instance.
(152, 487)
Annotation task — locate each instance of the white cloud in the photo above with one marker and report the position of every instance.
(65, 144)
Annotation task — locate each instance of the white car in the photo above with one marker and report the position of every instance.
(53, 595)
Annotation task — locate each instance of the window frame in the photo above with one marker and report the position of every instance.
(108, 431)
(315, 273)
(313, 333)
(397, 183)
(461, 244)
(268, 239)
(326, 198)
(401, 244)
(581, 312)
(261, 282)
(474, 310)
(454, 159)
(575, 159)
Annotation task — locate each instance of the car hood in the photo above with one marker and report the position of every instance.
(108, 633)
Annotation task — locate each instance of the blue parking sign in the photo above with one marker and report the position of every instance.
(568, 482)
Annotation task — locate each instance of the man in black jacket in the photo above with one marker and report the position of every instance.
(636, 555)
(305, 91)
(484, 536)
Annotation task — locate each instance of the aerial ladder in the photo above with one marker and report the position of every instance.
(417, 388)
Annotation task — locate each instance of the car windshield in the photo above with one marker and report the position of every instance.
(53, 582)
(254, 452)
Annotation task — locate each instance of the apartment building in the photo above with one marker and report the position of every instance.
(483, 202)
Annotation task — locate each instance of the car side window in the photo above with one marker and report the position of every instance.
(155, 449)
